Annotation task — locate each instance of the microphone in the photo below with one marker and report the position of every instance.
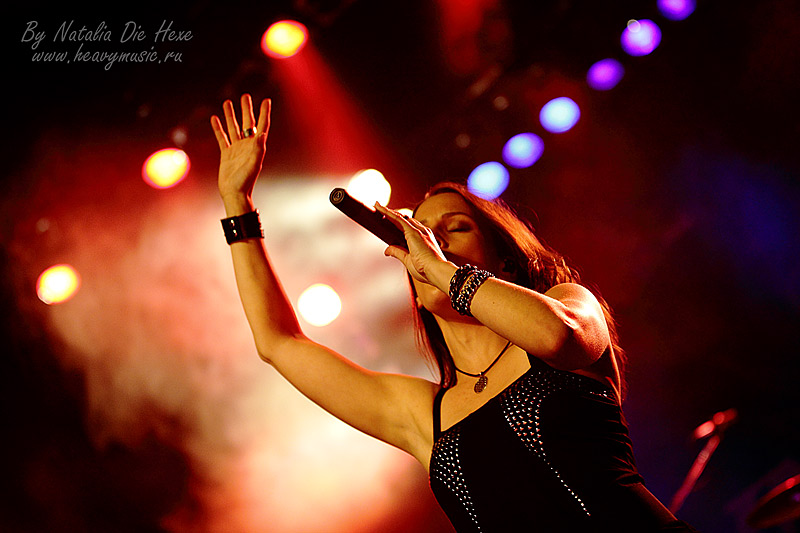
(371, 220)
(718, 423)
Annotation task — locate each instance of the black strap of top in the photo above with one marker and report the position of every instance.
(437, 413)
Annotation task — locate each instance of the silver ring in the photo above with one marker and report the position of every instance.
(249, 132)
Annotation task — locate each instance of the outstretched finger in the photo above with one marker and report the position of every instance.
(230, 118)
(264, 116)
(219, 133)
(248, 120)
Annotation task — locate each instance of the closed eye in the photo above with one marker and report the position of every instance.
(456, 229)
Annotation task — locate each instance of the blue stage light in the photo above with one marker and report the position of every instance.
(523, 150)
(640, 37)
(605, 74)
(488, 180)
(676, 9)
(559, 115)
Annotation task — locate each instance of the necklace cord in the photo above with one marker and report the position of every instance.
(496, 359)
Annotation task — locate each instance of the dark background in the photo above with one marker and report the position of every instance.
(676, 194)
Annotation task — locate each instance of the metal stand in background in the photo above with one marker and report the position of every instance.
(694, 473)
(779, 506)
(713, 429)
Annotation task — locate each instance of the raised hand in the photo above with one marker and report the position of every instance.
(423, 250)
(241, 156)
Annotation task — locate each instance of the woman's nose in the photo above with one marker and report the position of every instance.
(441, 241)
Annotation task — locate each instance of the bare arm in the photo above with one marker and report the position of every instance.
(395, 409)
(565, 326)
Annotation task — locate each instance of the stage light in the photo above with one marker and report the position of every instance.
(319, 305)
(57, 284)
(501, 103)
(605, 74)
(640, 37)
(488, 180)
(284, 39)
(523, 150)
(165, 168)
(676, 9)
(369, 186)
(179, 136)
(559, 115)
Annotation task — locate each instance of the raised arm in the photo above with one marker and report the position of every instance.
(564, 326)
(395, 409)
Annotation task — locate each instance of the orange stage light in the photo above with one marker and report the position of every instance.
(284, 39)
(165, 168)
(57, 284)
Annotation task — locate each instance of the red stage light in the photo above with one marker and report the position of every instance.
(284, 39)
(165, 168)
(57, 284)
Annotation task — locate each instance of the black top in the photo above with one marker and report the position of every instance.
(549, 453)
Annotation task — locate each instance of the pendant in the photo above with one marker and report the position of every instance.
(481, 384)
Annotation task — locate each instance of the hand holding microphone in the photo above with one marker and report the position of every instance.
(423, 250)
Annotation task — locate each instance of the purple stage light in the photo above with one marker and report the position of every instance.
(676, 9)
(523, 150)
(640, 37)
(488, 180)
(559, 115)
(605, 74)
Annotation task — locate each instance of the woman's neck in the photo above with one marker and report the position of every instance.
(472, 345)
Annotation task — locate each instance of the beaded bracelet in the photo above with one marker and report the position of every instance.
(463, 285)
(247, 226)
(459, 277)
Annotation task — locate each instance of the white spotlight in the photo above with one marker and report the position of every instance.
(369, 186)
(319, 305)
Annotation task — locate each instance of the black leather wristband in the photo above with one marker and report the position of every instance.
(247, 226)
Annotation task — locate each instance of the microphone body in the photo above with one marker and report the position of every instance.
(371, 220)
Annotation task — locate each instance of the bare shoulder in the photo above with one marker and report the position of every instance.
(586, 317)
(576, 297)
(571, 291)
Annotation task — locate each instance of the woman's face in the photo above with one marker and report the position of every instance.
(452, 220)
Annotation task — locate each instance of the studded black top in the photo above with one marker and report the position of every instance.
(550, 453)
